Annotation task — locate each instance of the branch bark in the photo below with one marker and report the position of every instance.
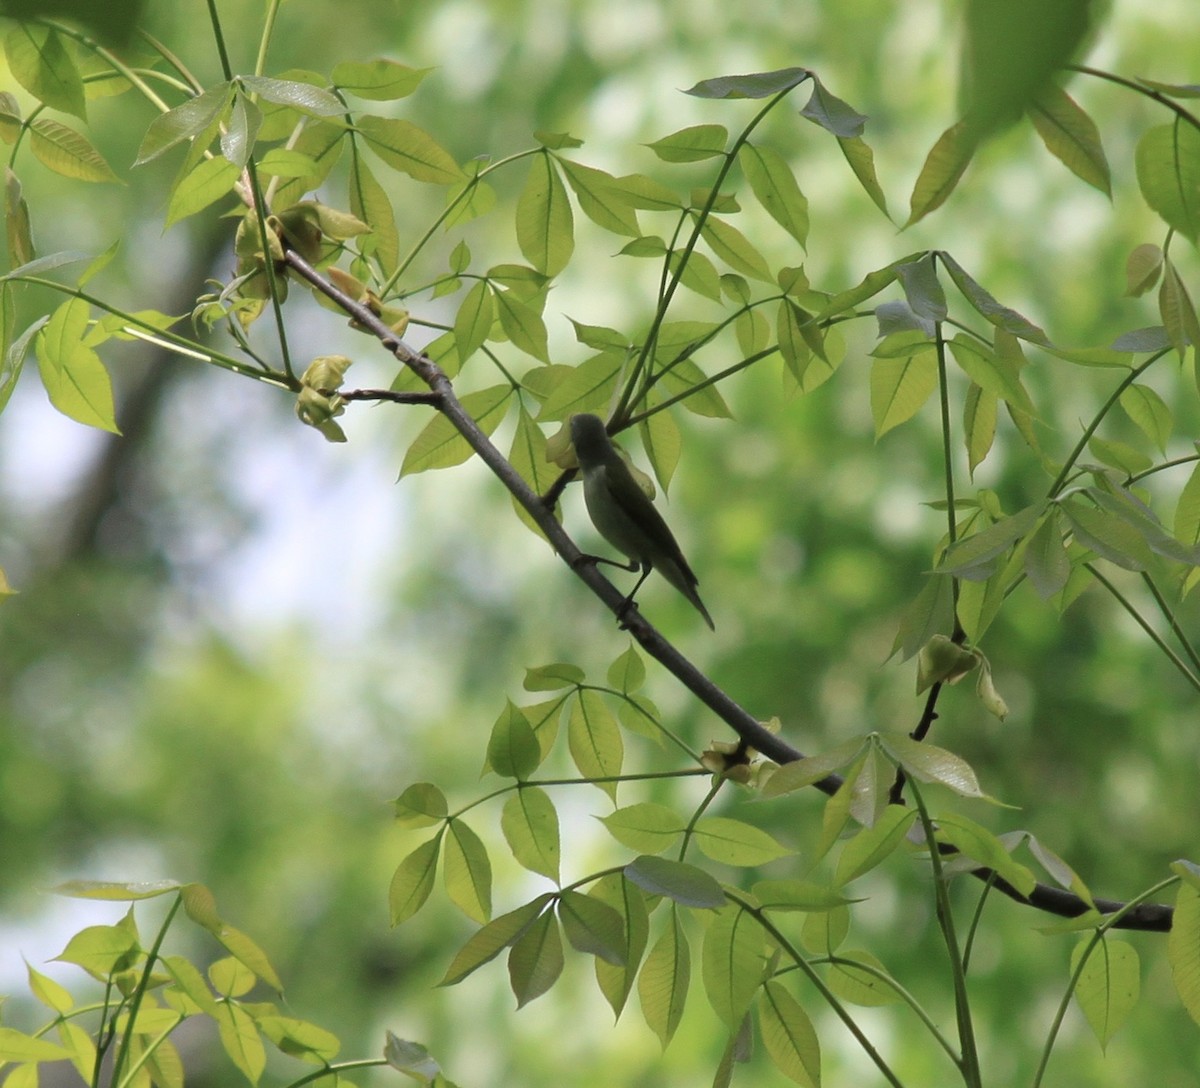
(1149, 916)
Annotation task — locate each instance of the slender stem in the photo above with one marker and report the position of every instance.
(709, 798)
(1154, 917)
(1141, 621)
(264, 42)
(1169, 615)
(839, 1010)
(1090, 429)
(135, 1001)
(945, 916)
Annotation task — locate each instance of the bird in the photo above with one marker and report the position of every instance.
(625, 516)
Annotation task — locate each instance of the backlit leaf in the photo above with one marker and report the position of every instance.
(900, 387)
(413, 881)
(407, 148)
(536, 959)
(593, 927)
(664, 980)
(487, 943)
(1108, 986)
(467, 872)
(775, 186)
(733, 842)
(545, 224)
(683, 883)
(529, 821)
(944, 167)
(1071, 136)
(439, 445)
(378, 80)
(1168, 173)
(788, 1036)
(692, 144)
(595, 741)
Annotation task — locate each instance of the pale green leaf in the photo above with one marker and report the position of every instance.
(944, 167)
(413, 881)
(861, 158)
(628, 672)
(185, 122)
(240, 1039)
(664, 980)
(731, 246)
(545, 224)
(1046, 561)
(536, 959)
(16, 1046)
(593, 927)
(754, 85)
(207, 183)
(522, 324)
(775, 186)
(467, 872)
(1109, 984)
(378, 80)
(529, 821)
(678, 881)
(40, 62)
(1149, 411)
(440, 445)
(369, 202)
(647, 827)
(692, 144)
(616, 982)
(600, 198)
(732, 962)
(873, 845)
(594, 738)
(75, 379)
(67, 152)
(487, 943)
(1071, 136)
(733, 842)
(407, 148)
(900, 387)
(928, 763)
(788, 1036)
(1168, 173)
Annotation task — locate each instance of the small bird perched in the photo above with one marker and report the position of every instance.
(624, 515)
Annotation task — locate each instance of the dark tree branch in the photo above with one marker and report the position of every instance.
(748, 728)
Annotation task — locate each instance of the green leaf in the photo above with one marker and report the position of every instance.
(628, 672)
(102, 950)
(595, 741)
(862, 161)
(857, 984)
(873, 844)
(796, 895)
(588, 387)
(648, 827)
(678, 881)
(991, 372)
(240, 1040)
(788, 1036)
(545, 225)
(683, 376)
(201, 907)
(553, 677)
(664, 980)
(979, 846)
(467, 872)
(529, 821)
(207, 183)
(1187, 512)
(1142, 269)
(40, 62)
(928, 763)
(413, 881)
(593, 927)
(733, 842)
(413, 1060)
(731, 246)
(522, 324)
(322, 142)
(369, 202)
(732, 962)
(756, 85)
(775, 186)
(1109, 536)
(1071, 136)
(185, 122)
(832, 114)
(900, 387)
(974, 556)
(663, 445)
(528, 457)
(1177, 311)
(1108, 986)
(16, 1046)
(536, 959)
(407, 148)
(421, 805)
(439, 445)
(1119, 455)
(692, 144)
(1149, 411)
(1168, 173)
(378, 80)
(487, 943)
(927, 614)
(629, 902)
(513, 750)
(299, 1038)
(67, 152)
(601, 198)
(979, 424)
(801, 773)
(16, 221)
(944, 167)
(55, 997)
(75, 379)
(1047, 564)
(295, 94)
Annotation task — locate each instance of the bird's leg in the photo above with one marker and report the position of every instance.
(628, 603)
(585, 558)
